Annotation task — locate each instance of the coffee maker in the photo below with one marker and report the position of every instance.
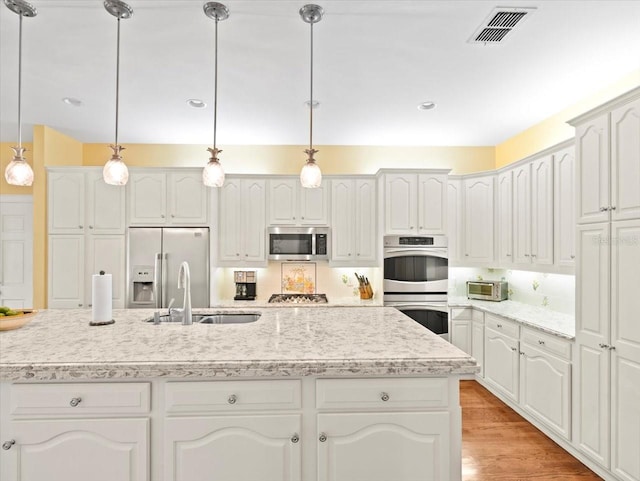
(245, 285)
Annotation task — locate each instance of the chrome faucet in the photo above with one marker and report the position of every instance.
(184, 282)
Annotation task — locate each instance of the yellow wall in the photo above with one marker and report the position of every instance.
(6, 155)
(555, 129)
(288, 159)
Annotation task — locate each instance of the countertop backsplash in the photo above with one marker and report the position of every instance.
(553, 291)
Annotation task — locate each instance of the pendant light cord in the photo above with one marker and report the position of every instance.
(215, 85)
(20, 84)
(311, 94)
(117, 79)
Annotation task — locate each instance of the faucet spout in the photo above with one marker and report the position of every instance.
(184, 282)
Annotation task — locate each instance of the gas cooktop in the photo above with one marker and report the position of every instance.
(298, 299)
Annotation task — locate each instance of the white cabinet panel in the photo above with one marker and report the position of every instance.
(592, 170)
(542, 211)
(625, 410)
(105, 206)
(66, 271)
(292, 204)
(106, 253)
(625, 162)
(455, 220)
(187, 198)
(564, 201)
(461, 335)
(66, 202)
(478, 215)
(501, 363)
(477, 344)
(522, 214)
(432, 204)
(16, 251)
(400, 207)
(504, 218)
(147, 198)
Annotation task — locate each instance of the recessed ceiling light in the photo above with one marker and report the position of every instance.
(73, 102)
(315, 105)
(428, 105)
(196, 103)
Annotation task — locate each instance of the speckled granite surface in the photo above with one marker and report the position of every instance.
(60, 344)
(557, 323)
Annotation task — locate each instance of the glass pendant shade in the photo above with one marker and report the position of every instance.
(212, 174)
(19, 172)
(115, 171)
(310, 175)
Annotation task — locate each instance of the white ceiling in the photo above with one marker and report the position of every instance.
(374, 62)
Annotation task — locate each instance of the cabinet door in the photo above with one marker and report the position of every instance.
(230, 221)
(233, 448)
(625, 417)
(400, 208)
(477, 344)
(342, 220)
(147, 198)
(106, 253)
(454, 214)
(394, 446)
(187, 198)
(16, 254)
(542, 211)
(66, 271)
(105, 205)
(253, 234)
(461, 335)
(77, 450)
(625, 162)
(545, 383)
(501, 363)
(522, 214)
(504, 218)
(478, 233)
(592, 170)
(66, 202)
(365, 220)
(432, 204)
(283, 201)
(314, 204)
(564, 202)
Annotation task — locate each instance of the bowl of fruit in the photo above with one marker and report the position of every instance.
(14, 318)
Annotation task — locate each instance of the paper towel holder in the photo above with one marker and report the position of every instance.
(102, 323)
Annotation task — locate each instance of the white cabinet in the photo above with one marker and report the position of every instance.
(625, 166)
(79, 201)
(106, 253)
(460, 328)
(478, 219)
(167, 197)
(454, 220)
(353, 222)
(564, 208)
(242, 221)
(501, 356)
(477, 339)
(48, 435)
(504, 217)
(416, 203)
(292, 204)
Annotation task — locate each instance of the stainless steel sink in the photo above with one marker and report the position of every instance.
(211, 318)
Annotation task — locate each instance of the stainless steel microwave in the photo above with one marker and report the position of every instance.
(298, 243)
(488, 290)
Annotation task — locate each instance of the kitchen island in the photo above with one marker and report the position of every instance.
(302, 393)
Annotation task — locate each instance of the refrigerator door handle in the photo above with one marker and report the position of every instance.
(165, 281)
(157, 279)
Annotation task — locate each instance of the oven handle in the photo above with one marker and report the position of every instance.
(427, 252)
(425, 306)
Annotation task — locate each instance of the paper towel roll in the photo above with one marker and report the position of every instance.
(101, 297)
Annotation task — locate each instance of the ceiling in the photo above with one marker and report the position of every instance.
(374, 62)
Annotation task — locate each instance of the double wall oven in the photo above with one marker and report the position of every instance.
(416, 271)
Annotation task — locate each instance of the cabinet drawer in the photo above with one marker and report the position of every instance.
(547, 342)
(185, 397)
(477, 315)
(461, 313)
(500, 324)
(80, 398)
(381, 393)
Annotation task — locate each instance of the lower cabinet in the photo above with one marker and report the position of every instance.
(477, 339)
(501, 358)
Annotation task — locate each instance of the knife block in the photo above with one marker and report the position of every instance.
(365, 292)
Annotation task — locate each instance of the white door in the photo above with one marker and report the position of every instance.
(106, 253)
(592, 170)
(187, 198)
(522, 214)
(230, 221)
(314, 204)
(342, 219)
(147, 198)
(461, 335)
(454, 221)
(283, 201)
(501, 363)
(105, 205)
(365, 220)
(66, 272)
(478, 215)
(477, 344)
(625, 162)
(393, 446)
(254, 218)
(504, 218)
(66, 202)
(233, 448)
(542, 211)
(16, 251)
(401, 202)
(432, 204)
(77, 450)
(564, 200)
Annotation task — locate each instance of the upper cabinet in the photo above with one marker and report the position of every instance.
(564, 211)
(353, 222)
(607, 168)
(455, 219)
(79, 202)
(416, 203)
(478, 219)
(292, 204)
(504, 217)
(174, 197)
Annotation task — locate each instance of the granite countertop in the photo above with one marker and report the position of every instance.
(291, 341)
(557, 323)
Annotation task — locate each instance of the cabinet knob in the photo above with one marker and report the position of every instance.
(508, 255)
(573, 256)
(75, 401)
(613, 207)
(499, 325)
(467, 255)
(349, 254)
(237, 253)
(603, 209)
(384, 396)
(534, 255)
(295, 438)
(90, 227)
(411, 227)
(420, 227)
(521, 353)
(604, 346)
(172, 216)
(322, 437)
(79, 305)
(358, 254)
(527, 255)
(301, 217)
(162, 215)
(514, 349)
(294, 217)
(8, 444)
(232, 399)
(80, 227)
(541, 342)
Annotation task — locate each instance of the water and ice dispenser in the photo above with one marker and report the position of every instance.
(142, 278)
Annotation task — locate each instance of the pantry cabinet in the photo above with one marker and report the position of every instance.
(416, 202)
(167, 197)
(478, 219)
(242, 222)
(353, 222)
(292, 204)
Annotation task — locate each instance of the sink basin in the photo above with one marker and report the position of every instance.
(212, 318)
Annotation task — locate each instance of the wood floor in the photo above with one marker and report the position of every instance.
(498, 444)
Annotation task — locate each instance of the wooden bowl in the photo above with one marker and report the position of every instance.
(14, 322)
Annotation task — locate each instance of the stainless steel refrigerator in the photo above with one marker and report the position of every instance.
(154, 255)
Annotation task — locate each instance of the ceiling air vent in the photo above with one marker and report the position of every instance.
(499, 23)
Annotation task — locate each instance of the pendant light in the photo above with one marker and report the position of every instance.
(115, 171)
(19, 172)
(212, 174)
(311, 176)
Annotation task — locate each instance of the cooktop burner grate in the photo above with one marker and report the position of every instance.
(298, 299)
